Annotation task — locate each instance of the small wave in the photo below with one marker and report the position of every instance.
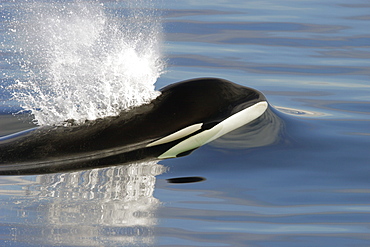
(300, 112)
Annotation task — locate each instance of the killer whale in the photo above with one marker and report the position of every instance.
(185, 116)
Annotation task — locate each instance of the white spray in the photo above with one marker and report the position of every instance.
(84, 60)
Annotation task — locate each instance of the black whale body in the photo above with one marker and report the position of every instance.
(185, 116)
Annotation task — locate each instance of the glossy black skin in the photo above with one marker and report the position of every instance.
(124, 138)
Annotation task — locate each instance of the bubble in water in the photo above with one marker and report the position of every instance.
(83, 60)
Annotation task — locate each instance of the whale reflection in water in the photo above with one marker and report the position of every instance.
(111, 206)
(185, 116)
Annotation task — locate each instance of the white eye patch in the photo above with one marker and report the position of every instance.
(177, 135)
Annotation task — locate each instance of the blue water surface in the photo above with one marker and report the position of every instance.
(306, 184)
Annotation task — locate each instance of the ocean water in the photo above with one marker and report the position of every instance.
(302, 180)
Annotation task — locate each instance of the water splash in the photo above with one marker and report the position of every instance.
(83, 60)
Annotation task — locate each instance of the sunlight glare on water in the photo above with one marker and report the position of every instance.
(81, 62)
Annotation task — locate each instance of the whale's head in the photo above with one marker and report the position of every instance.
(201, 110)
